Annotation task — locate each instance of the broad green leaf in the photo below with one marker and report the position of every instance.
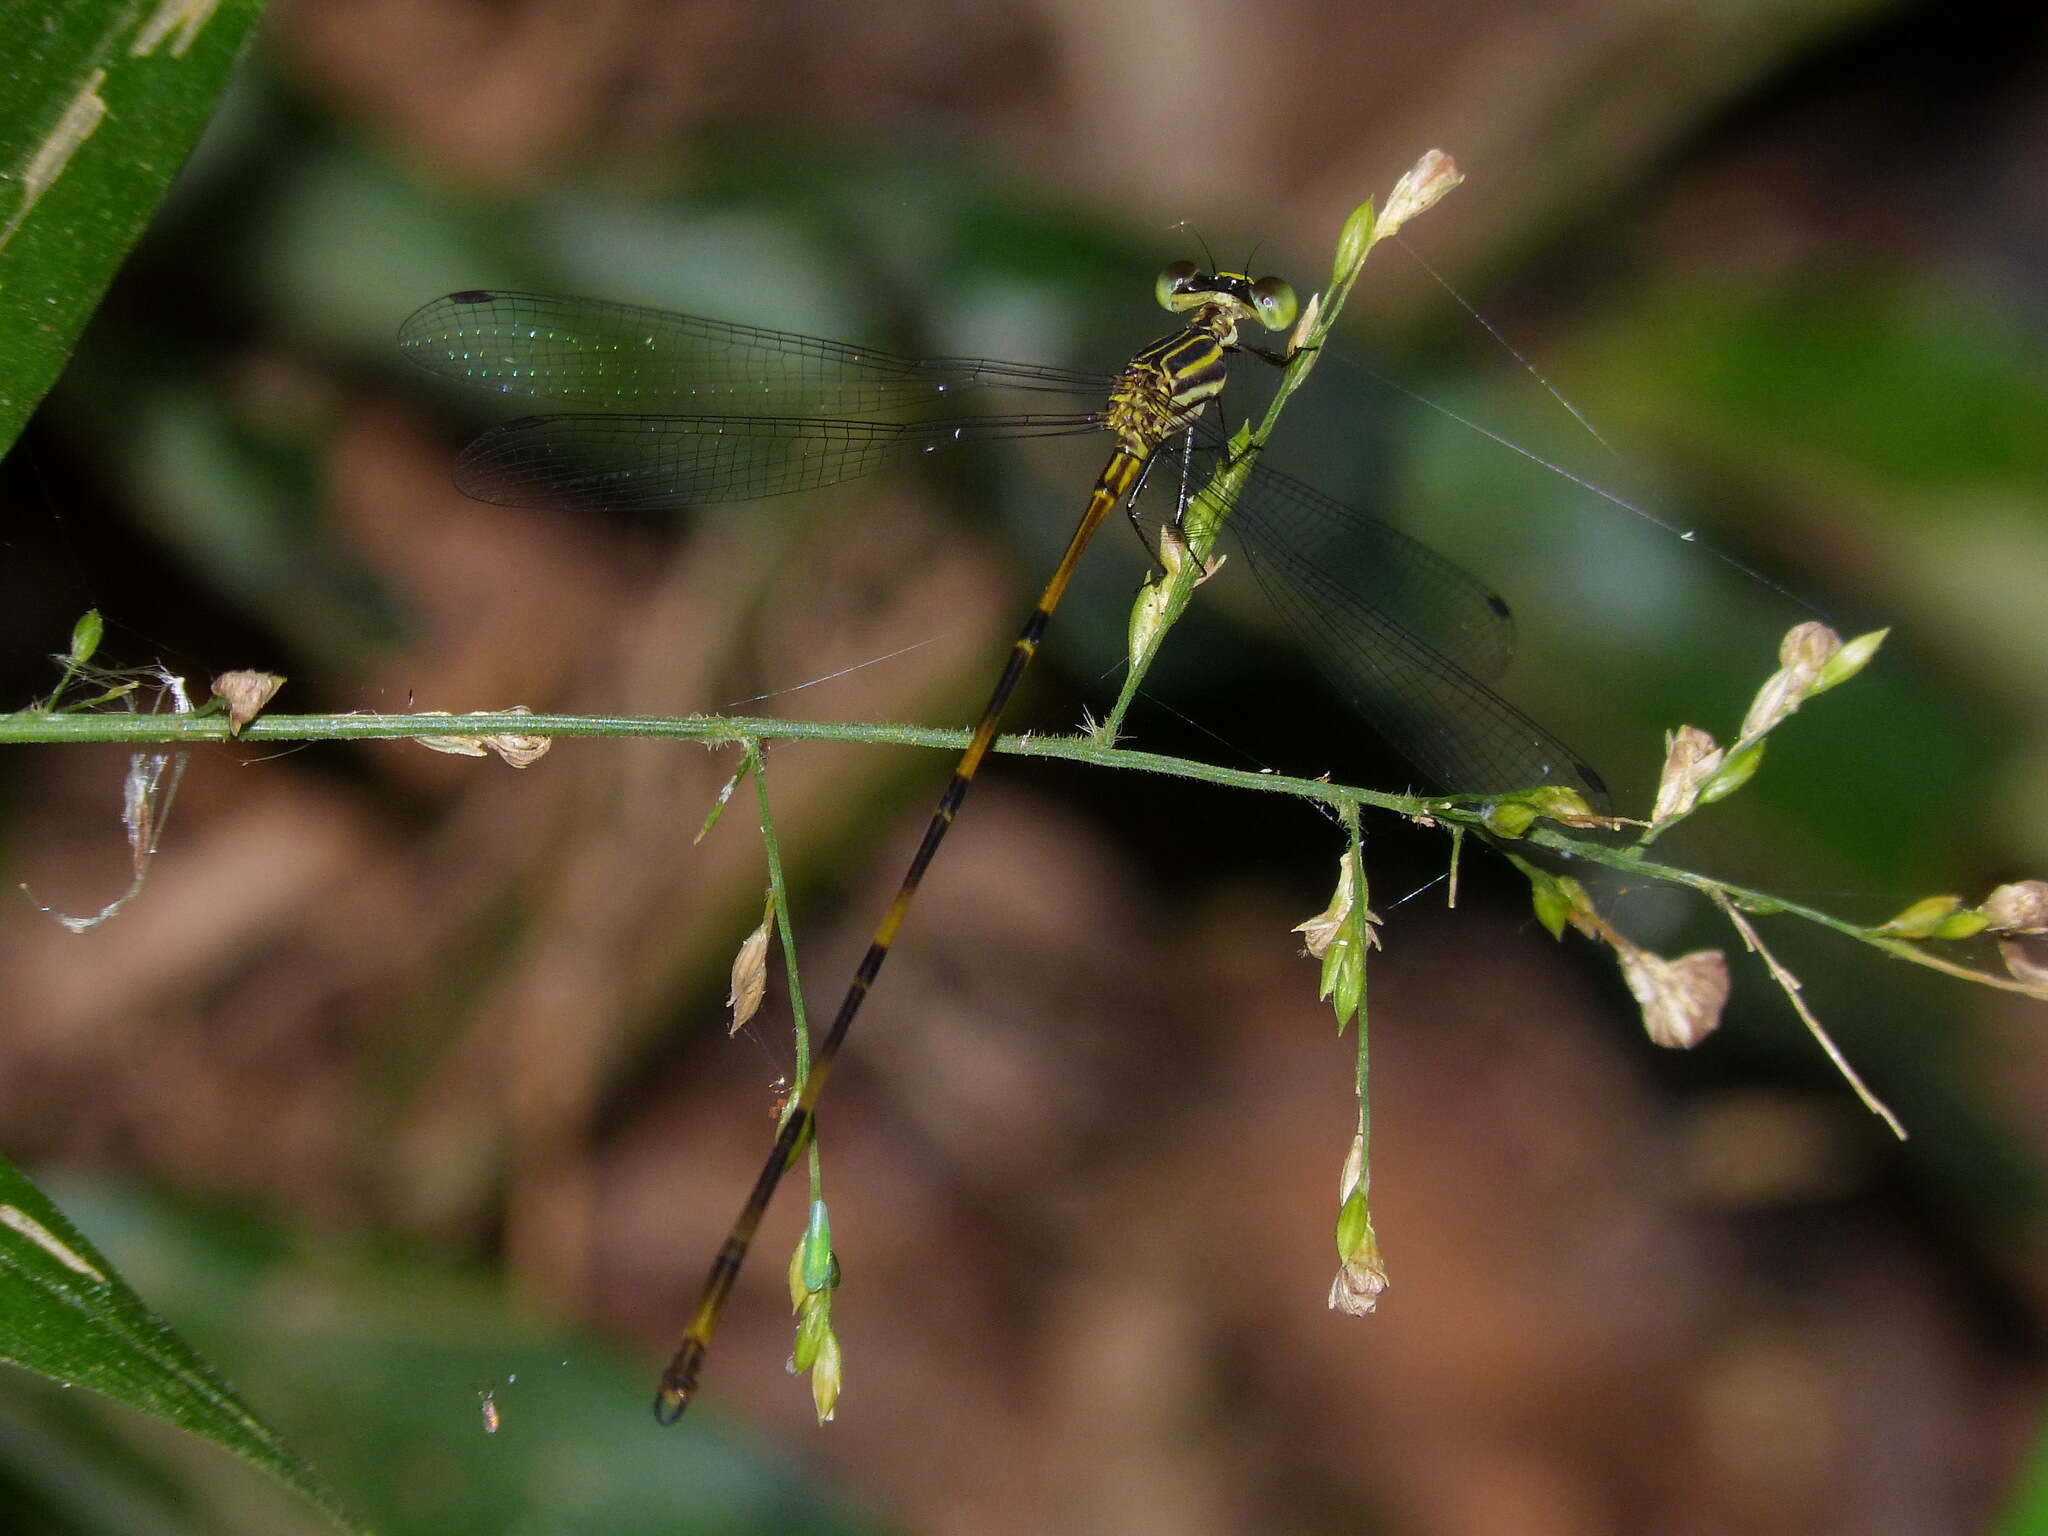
(67, 1314)
(100, 103)
(442, 1406)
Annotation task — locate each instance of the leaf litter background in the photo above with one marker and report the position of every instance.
(406, 1075)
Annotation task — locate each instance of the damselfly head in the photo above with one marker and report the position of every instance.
(1268, 300)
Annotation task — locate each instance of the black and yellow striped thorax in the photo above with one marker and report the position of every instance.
(1166, 385)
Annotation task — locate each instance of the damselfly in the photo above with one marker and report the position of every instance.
(1406, 635)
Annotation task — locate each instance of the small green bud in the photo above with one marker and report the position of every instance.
(1553, 906)
(1350, 996)
(1920, 920)
(1510, 818)
(1147, 611)
(825, 1376)
(1343, 981)
(819, 1271)
(85, 637)
(1353, 241)
(1558, 900)
(1354, 1224)
(813, 1327)
(1852, 658)
(1735, 772)
(1961, 925)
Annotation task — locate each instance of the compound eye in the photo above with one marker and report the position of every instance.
(1173, 282)
(1274, 300)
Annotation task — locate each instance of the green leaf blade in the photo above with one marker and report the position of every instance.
(66, 1313)
(105, 100)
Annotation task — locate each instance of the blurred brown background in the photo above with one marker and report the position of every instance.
(406, 1069)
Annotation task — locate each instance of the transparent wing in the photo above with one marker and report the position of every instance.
(659, 463)
(1405, 635)
(1405, 581)
(621, 357)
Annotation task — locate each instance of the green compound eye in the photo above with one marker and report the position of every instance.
(1274, 299)
(1173, 282)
